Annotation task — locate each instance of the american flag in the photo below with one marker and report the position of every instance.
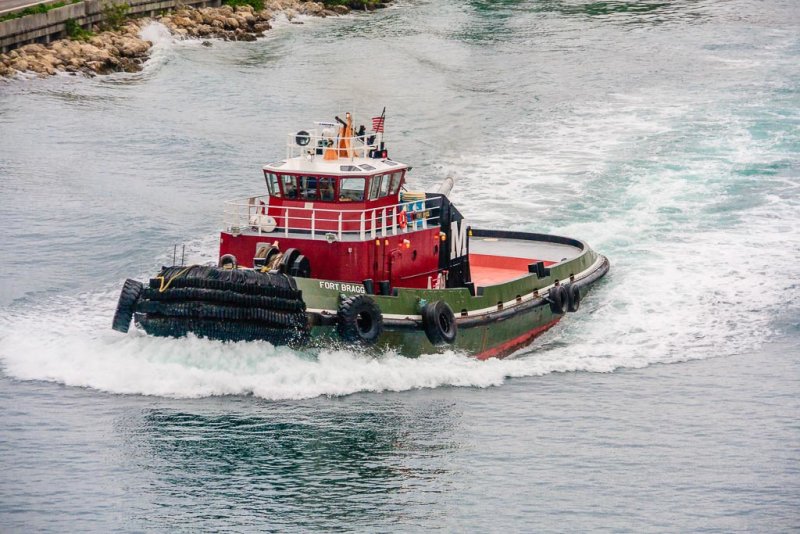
(377, 124)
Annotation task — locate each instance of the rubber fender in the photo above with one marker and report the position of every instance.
(205, 310)
(221, 330)
(439, 323)
(359, 320)
(559, 299)
(131, 290)
(224, 297)
(573, 298)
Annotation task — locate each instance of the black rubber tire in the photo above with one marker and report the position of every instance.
(559, 300)
(206, 310)
(301, 268)
(573, 298)
(240, 281)
(187, 294)
(221, 330)
(128, 297)
(288, 259)
(439, 323)
(359, 320)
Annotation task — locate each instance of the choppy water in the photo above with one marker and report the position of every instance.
(666, 134)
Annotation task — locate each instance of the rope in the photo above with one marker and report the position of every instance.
(164, 286)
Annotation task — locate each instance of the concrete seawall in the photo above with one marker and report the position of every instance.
(45, 27)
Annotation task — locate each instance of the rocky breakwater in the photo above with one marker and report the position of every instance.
(124, 50)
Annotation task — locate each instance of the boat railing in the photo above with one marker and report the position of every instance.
(257, 216)
(324, 144)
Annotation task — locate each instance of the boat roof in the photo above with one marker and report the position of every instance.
(340, 167)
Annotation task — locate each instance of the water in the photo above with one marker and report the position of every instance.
(665, 134)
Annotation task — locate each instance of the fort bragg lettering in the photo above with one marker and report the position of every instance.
(342, 287)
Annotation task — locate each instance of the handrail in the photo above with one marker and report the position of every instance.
(256, 215)
(320, 143)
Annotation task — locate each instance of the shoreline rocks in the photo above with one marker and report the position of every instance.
(124, 50)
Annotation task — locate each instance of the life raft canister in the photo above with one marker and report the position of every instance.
(359, 320)
(439, 323)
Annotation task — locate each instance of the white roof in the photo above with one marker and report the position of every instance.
(342, 166)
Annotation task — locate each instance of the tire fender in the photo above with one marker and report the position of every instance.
(574, 298)
(439, 323)
(128, 297)
(359, 320)
(559, 299)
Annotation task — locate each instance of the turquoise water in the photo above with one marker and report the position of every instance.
(666, 134)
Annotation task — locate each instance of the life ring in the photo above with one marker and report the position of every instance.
(559, 299)
(439, 323)
(402, 220)
(574, 298)
(359, 320)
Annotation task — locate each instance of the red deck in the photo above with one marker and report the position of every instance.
(489, 270)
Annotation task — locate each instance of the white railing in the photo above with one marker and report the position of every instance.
(256, 216)
(316, 144)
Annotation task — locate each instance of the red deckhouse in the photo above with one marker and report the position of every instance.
(338, 200)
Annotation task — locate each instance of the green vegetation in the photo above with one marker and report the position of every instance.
(36, 10)
(258, 5)
(114, 15)
(76, 32)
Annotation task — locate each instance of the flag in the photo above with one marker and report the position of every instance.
(377, 124)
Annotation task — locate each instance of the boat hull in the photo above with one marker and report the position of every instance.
(486, 321)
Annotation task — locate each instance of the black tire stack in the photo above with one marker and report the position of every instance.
(229, 305)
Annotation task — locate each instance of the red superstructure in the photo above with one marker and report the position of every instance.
(340, 203)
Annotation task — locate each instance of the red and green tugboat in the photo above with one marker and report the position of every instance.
(338, 251)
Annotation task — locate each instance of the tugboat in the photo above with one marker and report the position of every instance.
(339, 252)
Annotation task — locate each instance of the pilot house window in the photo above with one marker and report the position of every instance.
(272, 184)
(351, 190)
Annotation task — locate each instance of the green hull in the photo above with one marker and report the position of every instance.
(497, 321)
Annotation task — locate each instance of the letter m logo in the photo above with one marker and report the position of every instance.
(458, 239)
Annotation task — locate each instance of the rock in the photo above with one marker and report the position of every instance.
(207, 43)
(244, 9)
(133, 47)
(32, 49)
(231, 22)
(216, 23)
(20, 64)
(182, 22)
(340, 10)
(204, 29)
(261, 27)
(247, 37)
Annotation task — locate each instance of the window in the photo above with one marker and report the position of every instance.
(374, 187)
(396, 177)
(326, 191)
(308, 187)
(351, 190)
(289, 186)
(272, 184)
(385, 185)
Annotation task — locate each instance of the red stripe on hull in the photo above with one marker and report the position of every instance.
(504, 349)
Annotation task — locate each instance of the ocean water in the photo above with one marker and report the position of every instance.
(666, 134)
